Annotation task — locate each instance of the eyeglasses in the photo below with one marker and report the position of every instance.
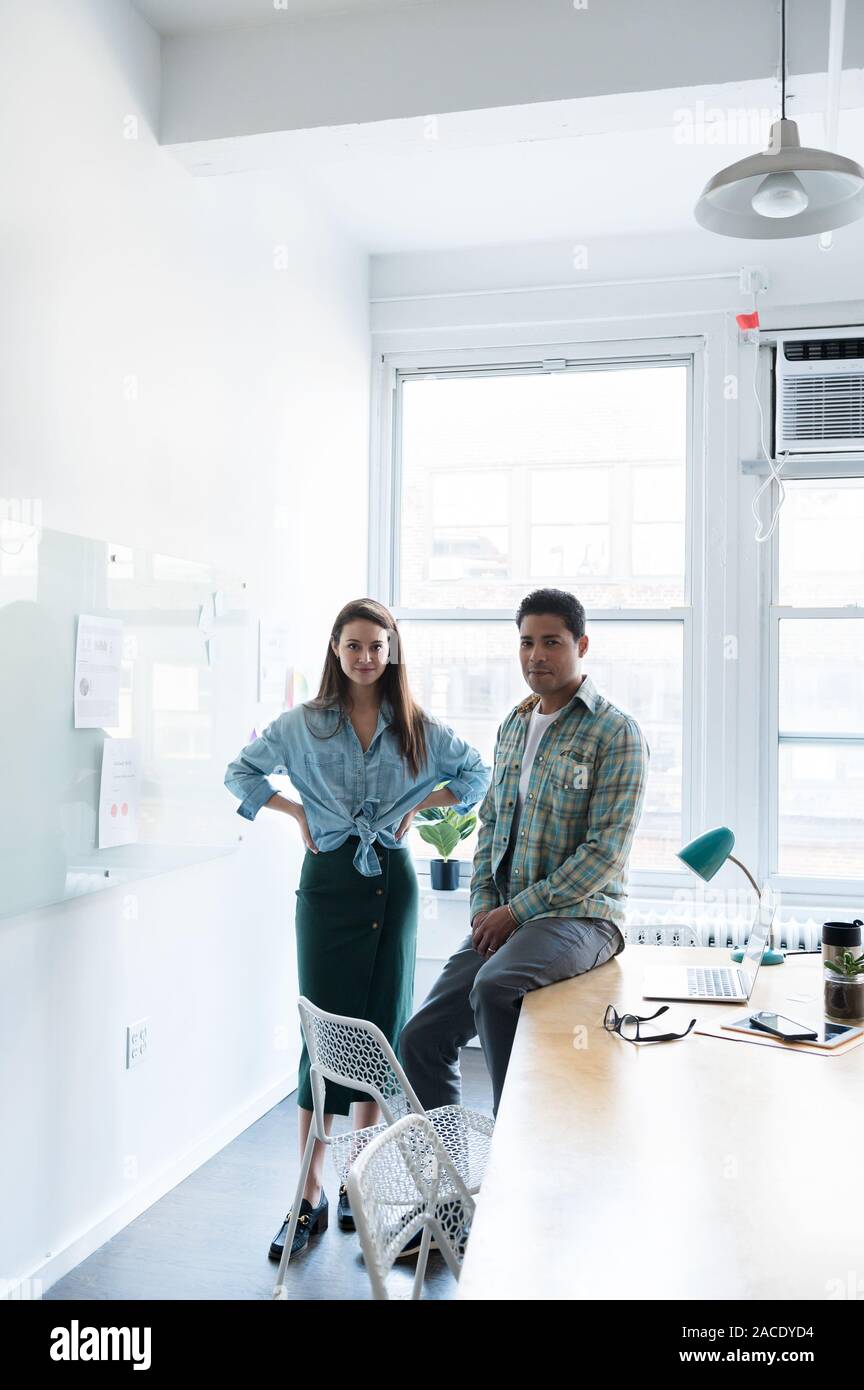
(627, 1026)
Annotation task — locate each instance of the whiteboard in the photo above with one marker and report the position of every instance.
(188, 715)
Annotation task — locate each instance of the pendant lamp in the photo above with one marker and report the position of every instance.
(787, 191)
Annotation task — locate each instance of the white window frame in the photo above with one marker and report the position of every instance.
(687, 349)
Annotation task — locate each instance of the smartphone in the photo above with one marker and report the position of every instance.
(782, 1027)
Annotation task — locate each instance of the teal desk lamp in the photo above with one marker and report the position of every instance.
(708, 853)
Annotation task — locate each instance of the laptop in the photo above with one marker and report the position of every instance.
(713, 984)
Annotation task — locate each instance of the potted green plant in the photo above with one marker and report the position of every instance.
(844, 987)
(443, 828)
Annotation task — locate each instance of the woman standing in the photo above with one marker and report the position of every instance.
(365, 758)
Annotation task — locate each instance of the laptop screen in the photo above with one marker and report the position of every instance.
(756, 944)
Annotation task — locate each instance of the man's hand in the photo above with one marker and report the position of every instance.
(490, 930)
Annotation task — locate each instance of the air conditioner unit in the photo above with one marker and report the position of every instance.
(820, 391)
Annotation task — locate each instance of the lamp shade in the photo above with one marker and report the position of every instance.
(797, 191)
(709, 852)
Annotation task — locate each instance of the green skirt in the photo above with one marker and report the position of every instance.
(356, 948)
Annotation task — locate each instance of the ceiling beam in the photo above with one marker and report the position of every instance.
(471, 55)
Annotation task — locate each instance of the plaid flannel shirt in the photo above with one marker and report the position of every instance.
(581, 810)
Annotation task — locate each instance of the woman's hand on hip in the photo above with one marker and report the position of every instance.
(296, 809)
(405, 823)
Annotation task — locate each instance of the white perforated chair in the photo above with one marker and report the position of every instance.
(404, 1182)
(355, 1053)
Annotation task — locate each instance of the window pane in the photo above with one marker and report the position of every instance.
(822, 810)
(469, 675)
(576, 478)
(658, 548)
(640, 668)
(580, 492)
(657, 495)
(822, 675)
(821, 559)
(460, 552)
(560, 552)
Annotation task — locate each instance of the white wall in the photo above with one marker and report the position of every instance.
(251, 410)
(630, 280)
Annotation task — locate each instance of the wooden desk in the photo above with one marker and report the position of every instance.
(700, 1169)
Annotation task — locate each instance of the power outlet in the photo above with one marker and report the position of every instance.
(137, 1042)
(752, 280)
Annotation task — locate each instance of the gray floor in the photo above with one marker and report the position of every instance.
(208, 1237)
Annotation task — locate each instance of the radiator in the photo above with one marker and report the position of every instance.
(658, 928)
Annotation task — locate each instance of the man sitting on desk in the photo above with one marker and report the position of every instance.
(549, 885)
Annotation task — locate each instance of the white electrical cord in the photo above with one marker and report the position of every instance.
(774, 469)
(836, 31)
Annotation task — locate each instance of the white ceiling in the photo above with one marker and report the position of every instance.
(171, 17)
(581, 171)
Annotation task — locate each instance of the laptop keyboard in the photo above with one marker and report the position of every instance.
(718, 982)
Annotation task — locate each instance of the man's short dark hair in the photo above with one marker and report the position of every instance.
(558, 601)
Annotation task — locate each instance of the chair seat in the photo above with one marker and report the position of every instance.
(466, 1135)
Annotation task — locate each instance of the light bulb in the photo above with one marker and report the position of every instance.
(779, 195)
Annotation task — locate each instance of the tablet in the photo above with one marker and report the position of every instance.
(828, 1034)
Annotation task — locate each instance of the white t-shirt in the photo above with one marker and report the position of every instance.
(537, 726)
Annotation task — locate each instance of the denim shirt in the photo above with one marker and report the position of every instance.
(345, 791)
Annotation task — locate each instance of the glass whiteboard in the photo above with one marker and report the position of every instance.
(187, 714)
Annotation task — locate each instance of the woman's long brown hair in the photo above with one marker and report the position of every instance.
(333, 693)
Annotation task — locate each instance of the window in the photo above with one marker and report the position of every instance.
(817, 636)
(505, 479)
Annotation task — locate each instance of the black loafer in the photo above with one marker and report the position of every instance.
(312, 1221)
(412, 1246)
(344, 1215)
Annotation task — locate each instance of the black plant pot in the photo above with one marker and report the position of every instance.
(844, 997)
(445, 874)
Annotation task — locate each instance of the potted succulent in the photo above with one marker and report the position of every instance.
(443, 828)
(844, 987)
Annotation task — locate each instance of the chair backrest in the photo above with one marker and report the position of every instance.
(354, 1052)
(401, 1183)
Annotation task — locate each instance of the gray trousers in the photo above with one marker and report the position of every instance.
(482, 995)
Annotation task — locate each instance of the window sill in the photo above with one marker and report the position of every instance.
(459, 895)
